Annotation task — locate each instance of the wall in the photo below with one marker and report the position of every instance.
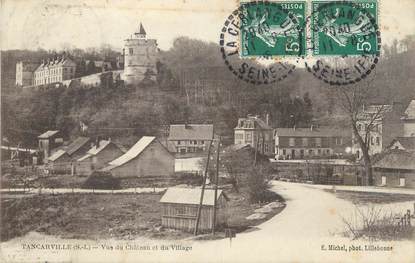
(409, 129)
(155, 160)
(392, 177)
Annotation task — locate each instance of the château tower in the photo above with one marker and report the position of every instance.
(140, 57)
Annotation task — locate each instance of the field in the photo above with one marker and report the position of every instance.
(103, 216)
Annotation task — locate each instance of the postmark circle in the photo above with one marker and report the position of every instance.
(261, 42)
(345, 41)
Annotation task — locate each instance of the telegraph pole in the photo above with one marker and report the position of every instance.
(199, 210)
(216, 187)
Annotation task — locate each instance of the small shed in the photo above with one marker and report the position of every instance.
(48, 141)
(59, 162)
(180, 206)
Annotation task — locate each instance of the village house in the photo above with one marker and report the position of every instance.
(148, 157)
(395, 169)
(309, 143)
(24, 73)
(59, 162)
(97, 157)
(256, 133)
(49, 141)
(383, 123)
(190, 138)
(180, 207)
(408, 119)
(403, 143)
(54, 70)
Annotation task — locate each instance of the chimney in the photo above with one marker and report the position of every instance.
(267, 119)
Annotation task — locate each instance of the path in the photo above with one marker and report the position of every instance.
(310, 220)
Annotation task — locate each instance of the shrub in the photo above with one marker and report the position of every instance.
(102, 180)
(258, 184)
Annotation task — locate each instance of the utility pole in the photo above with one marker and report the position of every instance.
(216, 187)
(199, 210)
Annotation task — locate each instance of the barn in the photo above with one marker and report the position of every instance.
(180, 206)
(147, 158)
(97, 157)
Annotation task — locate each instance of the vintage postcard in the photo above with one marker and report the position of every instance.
(207, 131)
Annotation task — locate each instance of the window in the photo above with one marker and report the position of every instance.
(372, 141)
(377, 140)
(305, 142)
(248, 137)
(359, 127)
(291, 142)
(203, 142)
(318, 142)
(339, 140)
(130, 51)
(319, 151)
(283, 152)
(310, 152)
(328, 151)
(178, 142)
(194, 142)
(266, 147)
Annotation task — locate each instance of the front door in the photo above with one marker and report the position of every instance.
(383, 180)
(402, 181)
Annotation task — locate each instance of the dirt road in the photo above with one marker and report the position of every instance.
(312, 219)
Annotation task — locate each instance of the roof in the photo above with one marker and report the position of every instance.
(133, 152)
(47, 134)
(237, 147)
(397, 159)
(409, 113)
(307, 132)
(60, 61)
(176, 195)
(56, 155)
(141, 30)
(77, 144)
(406, 142)
(95, 150)
(257, 122)
(191, 132)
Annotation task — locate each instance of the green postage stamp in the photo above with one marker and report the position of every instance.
(272, 29)
(344, 27)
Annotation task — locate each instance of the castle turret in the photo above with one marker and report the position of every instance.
(140, 57)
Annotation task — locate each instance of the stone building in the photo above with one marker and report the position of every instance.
(54, 70)
(190, 138)
(24, 72)
(255, 132)
(140, 57)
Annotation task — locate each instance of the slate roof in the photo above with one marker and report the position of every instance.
(47, 134)
(307, 132)
(62, 61)
(176, 195)
(410, 111)
(77, 144)
(56, 155)
(191, 132)
(397, 159)
(132, 153)
(407, 142)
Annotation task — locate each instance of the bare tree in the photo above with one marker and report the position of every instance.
(353, 99)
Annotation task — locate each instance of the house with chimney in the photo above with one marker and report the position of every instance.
(255, 132)
(310, 143)
(190, 138)
(97, 157)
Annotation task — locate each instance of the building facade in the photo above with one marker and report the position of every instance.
(54, 70)
(379, 125)
(256, 133)
(190, 138)
(24, 73)
(309, 143)
(408, 119)
(140, 57)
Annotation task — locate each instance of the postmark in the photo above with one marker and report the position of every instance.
(345, 41)
(261, 41)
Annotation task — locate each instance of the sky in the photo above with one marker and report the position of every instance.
(55, 24)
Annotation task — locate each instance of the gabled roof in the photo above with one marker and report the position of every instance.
(397, 159)
(133, 152)
(47, 134)
(95, 150)
(176, 195)
(56, 155)
(141, 30)
(253, 122)
(407, 142)
(410, 111)
(77, 144)
(191, 132)
(307, 132)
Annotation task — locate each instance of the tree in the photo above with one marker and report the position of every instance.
(353, 99)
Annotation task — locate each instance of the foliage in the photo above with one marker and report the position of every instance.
(258, 183)
(102, 180)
